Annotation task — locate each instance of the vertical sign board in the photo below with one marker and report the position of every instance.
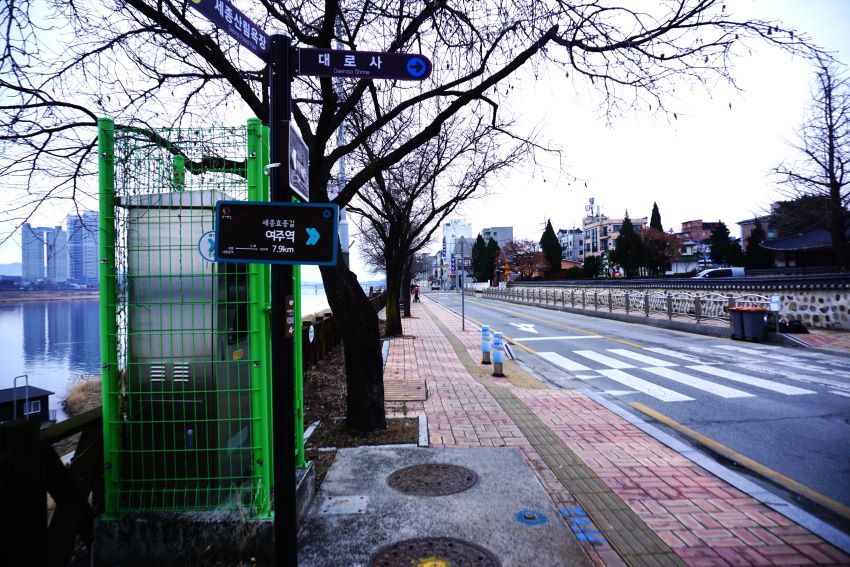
(299, 162)
(276, 233)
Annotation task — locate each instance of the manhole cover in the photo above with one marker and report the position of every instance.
(433, 479)
(433, 551)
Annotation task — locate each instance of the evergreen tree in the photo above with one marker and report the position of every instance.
(479, 260)
(720, 245)
(491, 256)
(551, 247)
(758, 257)
(655, 220)
(592, 266)
(628, 251)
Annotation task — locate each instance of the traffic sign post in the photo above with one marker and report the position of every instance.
(283, 361)
(258, 242)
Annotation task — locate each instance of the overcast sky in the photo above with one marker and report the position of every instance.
(712, 162)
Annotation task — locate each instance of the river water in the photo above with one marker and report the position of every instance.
(54, 342)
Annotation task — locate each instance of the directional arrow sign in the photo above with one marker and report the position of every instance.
(276, 233)
(312, 236)
(363, 64)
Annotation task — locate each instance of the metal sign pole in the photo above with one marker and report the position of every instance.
(283, 379)
(462, 285)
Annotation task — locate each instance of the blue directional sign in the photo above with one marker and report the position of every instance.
(276, 233)
(312, 236)
(362, 64)
(416, 67)
(227, 17)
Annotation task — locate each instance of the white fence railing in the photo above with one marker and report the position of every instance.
(697, 306)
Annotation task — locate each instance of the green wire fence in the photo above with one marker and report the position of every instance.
(185, 341)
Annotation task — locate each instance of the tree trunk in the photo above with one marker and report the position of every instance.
(393, 313)
(357, 323)
(838, 226)
(405, 290)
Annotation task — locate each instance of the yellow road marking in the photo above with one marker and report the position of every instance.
(558, 325)
(755, 466)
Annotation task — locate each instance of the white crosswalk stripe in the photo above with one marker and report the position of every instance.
(757, 352)
(652, 361)
(602, 359)
(610, 363)
(644, 386)
(752, 381)
(563, 362)
(699, 383)
(675, 354)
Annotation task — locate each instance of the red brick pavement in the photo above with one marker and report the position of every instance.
(704, 520)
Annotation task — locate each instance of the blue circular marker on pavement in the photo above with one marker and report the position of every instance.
(416, 67)
(531, 517)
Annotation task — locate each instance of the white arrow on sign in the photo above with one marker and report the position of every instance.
(527, 327)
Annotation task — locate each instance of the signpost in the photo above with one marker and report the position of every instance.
(251, 242)
(276, 233)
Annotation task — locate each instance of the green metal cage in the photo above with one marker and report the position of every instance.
(185, 340)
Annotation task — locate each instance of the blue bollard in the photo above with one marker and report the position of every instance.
(485, 344)
(498, 354)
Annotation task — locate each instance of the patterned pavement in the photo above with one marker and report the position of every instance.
(629, 499)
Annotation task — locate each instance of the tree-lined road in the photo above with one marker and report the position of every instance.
(786, 408)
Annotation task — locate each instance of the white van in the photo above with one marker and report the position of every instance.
(722, 273)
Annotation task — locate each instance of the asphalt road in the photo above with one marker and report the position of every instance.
(787, 408)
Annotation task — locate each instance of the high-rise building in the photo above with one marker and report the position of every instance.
(57, 255)
(83, 247)
(32, 252)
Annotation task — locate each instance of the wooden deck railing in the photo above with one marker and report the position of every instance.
(30, 469)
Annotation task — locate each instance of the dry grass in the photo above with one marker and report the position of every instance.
(83, 395)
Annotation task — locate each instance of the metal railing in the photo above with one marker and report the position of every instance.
(671, 304)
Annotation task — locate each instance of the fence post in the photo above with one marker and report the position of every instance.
(697, 307)
(595, 300)
(584, 299)
(669, 306)
(627, 302)
(573, 298)
(610, 301)
(646, 302)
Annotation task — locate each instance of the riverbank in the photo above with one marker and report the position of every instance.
(19, 296)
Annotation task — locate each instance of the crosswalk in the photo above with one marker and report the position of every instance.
(662, 373)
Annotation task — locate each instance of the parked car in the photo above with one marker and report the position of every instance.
(722, 273)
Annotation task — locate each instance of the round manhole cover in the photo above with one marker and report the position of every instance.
(433, 479)
(433, 551)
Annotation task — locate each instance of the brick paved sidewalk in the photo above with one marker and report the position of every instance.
(628, 498)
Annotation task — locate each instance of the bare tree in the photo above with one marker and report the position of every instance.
(525, 257)
(402, 207)
(823, 173)
(158, 62)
